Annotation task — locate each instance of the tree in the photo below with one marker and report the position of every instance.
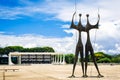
(69, 58)
(26, 50)
(12, 49)
(38, 49)
(8, 49)
(99, 55)
(1, 51)
(116, 58)
(48, 49)
(104, 60)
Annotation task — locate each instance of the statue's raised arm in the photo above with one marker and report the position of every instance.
(72, 23)
(97, 25)
(89, 26)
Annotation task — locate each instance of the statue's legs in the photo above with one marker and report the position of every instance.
(95, 63)
(82, 61)
(86, 62)
(75, 61)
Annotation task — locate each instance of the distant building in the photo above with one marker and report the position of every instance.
(37, 58)
(3, 59)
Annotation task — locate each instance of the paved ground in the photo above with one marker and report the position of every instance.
(59, 72)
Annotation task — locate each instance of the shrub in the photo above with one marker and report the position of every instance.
(116, 59)
(69, 58)
(104, 60)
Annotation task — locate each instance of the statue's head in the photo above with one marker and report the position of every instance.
(87, 15)
(80, 15)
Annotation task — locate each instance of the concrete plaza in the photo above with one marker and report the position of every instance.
(58, 72)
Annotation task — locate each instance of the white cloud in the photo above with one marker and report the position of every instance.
(65, 26)
(63, 9)
(107, 36)
(59, 44)
(116, 50)
(106, 41)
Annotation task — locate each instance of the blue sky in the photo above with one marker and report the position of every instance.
(37, 23)
(27, 25)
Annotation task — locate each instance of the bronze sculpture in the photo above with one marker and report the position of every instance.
(79, 46)
(88, 46)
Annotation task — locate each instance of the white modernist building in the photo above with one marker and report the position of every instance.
(37, 58)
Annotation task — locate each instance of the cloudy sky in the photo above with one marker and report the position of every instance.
(37, 23)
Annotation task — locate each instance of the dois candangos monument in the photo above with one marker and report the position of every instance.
(88, 45)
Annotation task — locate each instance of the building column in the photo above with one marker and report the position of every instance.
(19, 60)
(52, 58)
(60, 59)
(63, 61)
(9, 60)
(55, 59)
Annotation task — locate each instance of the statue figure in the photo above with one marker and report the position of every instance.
(79, 46)
(88, 46)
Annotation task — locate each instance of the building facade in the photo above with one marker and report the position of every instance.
(37, 58)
